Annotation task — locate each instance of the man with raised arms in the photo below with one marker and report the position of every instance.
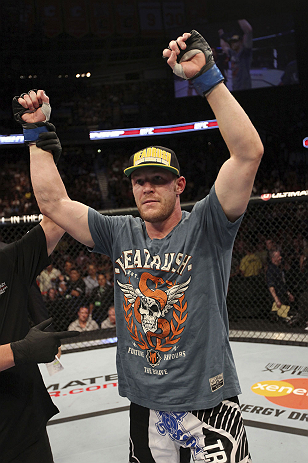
(174, 359)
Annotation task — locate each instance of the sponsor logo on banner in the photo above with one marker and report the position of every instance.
(290, 393)
(284, 194)
(266, 197)
(285, 399)
(79, 386)
(298, 370)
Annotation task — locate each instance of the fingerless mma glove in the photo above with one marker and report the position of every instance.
(209, 75)
(33, 131)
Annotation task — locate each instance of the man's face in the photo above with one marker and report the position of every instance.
(83, 314)
(155, 193)
(67, 266)
(236, 45)
(276, 258)
(74, 275)
(269, 244)
(92, 270)
(101, 279)
(52, 293)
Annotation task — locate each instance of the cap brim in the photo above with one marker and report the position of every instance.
(129, 170)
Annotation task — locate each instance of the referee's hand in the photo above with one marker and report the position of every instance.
(39, 346)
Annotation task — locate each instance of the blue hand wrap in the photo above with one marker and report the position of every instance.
(33, 134)
(207, 80)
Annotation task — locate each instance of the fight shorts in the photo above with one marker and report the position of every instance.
(215, 435)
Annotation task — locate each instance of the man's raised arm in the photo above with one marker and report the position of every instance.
(191, 58)
(32, 111)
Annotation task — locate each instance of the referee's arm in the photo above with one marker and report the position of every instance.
(6, 357)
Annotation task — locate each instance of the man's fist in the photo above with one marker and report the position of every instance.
(191, 58)
(32, 110)
(31, 107)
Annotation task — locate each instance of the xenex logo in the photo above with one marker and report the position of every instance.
(291, 393)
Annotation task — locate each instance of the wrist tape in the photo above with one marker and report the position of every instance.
(207, 81)
(32, 135)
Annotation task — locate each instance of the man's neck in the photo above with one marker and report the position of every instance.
(158, 230)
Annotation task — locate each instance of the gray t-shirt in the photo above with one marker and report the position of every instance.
(173, 351)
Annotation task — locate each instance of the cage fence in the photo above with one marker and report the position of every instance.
(270, 251)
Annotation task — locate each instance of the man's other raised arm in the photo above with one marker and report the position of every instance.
(32, 110)
(53, 199)
(236, 176)
(190, 57)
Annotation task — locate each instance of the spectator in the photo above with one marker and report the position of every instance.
(250, 265)
(72, 295)
(109, 277)
(54, 308)
(76, 287)
(62, 288)
(276, 284)
(47, 278)
(270, 246)
(68, 265)
(239, 50)
(101, 298)
(290, 75)
(84, 321)
(91, 278)
(110, 321)
(82, 261)
(261, 251)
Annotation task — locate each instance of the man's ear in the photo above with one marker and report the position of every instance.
(180, 185)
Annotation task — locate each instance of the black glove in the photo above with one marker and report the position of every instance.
(49, 141)
(31, 130)
(39, 346)
(209, 75)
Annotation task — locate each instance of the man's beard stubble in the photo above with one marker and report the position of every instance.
(158, 216)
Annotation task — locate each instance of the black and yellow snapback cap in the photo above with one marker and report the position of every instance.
(154, 156)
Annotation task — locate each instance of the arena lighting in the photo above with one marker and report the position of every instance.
(305, 142)
(11, 139)
(123, 133)
(158, 130)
